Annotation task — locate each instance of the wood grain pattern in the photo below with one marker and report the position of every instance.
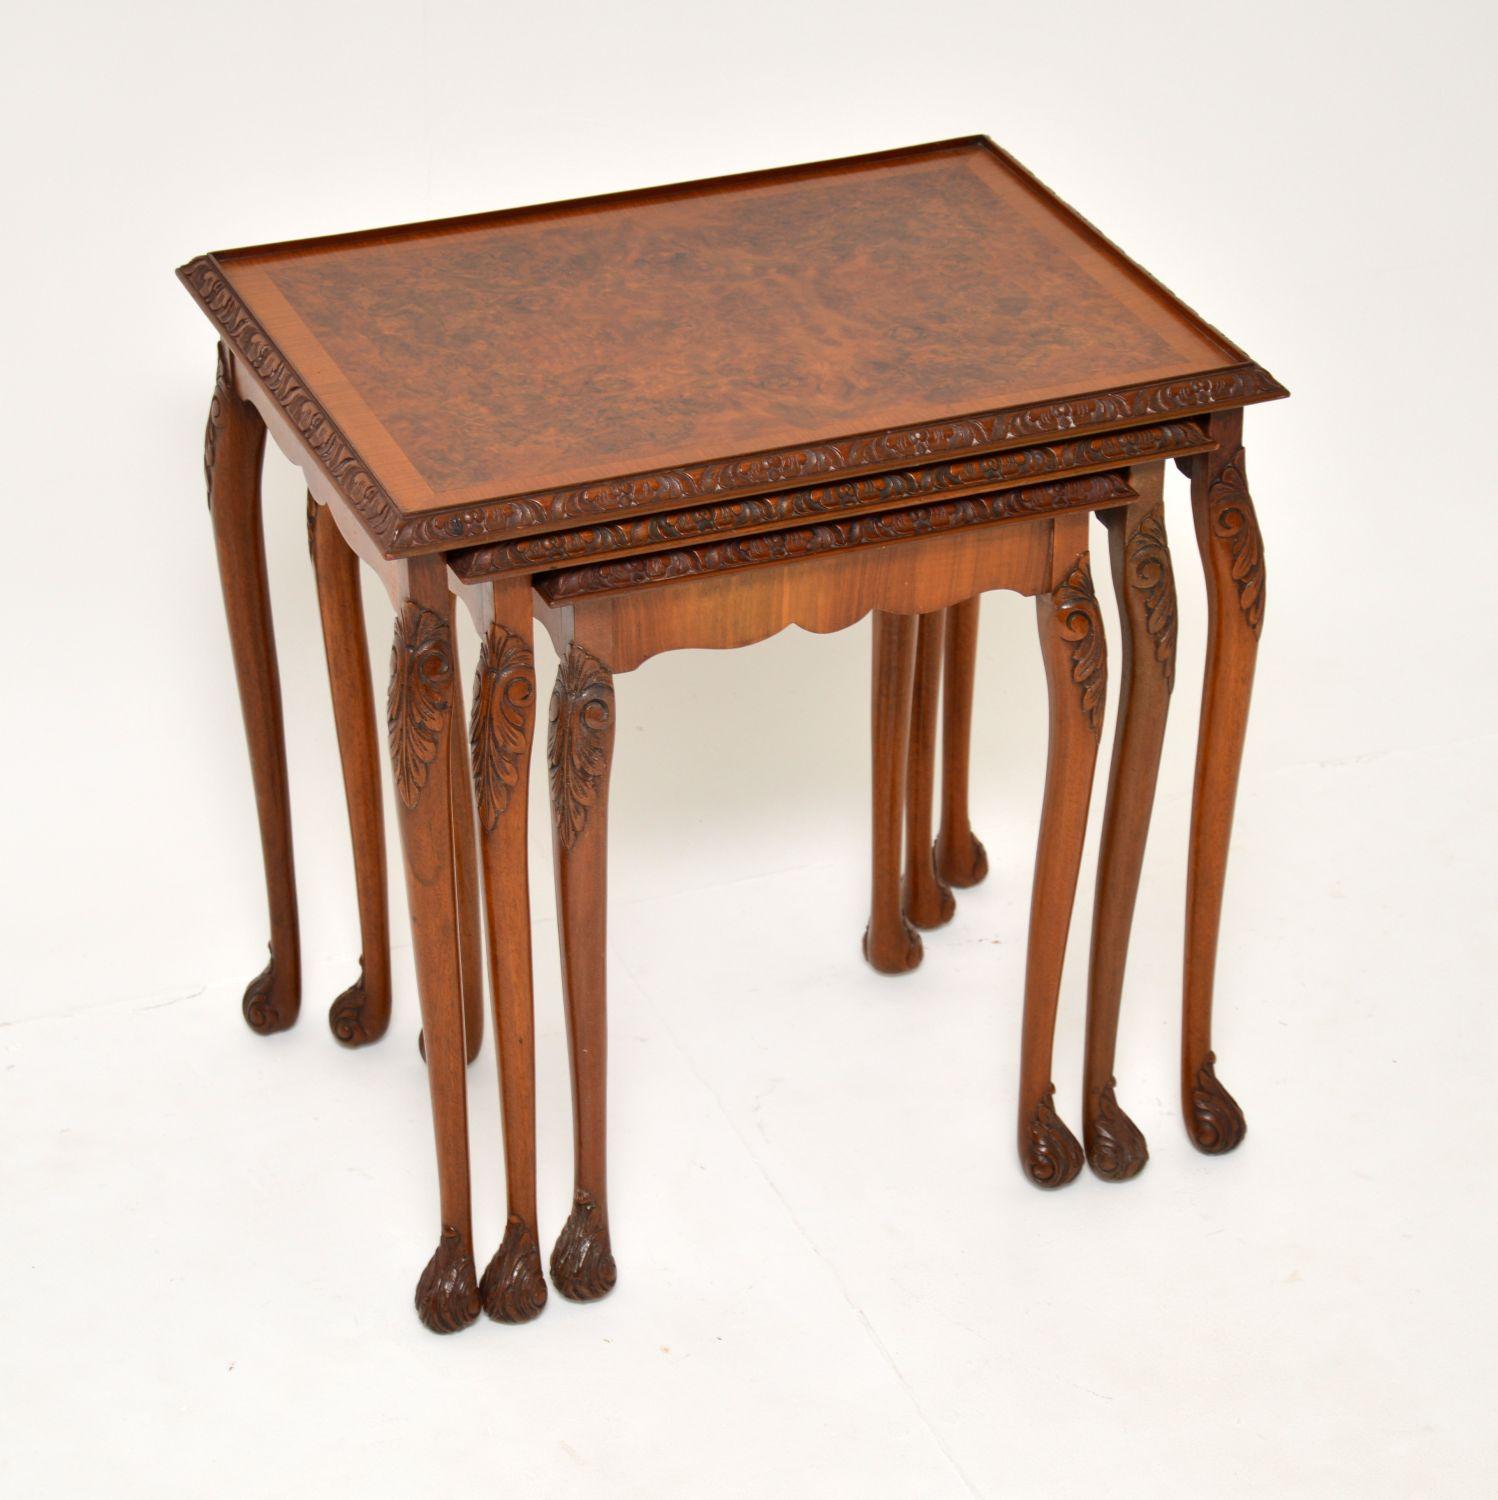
(361, 1014)
(421, 697)
(513, 1287)
(1144, 587)
(961, 859)
(233, 445)
(1071, 638)
(926, 898)
(714, 339)
(1232, 552)
(579, 752)
(890, 943)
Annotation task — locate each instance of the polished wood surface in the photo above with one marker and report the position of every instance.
(1071, 641)
(233, 443)
(1144, 586)
(890, 943)
(513, 1287)
(1232, 551)
(961, 859)
(691, 417)
(525, 370)
(419, 721)
(579, 756)
(361, 1013)
(839, 500)
(925, 896)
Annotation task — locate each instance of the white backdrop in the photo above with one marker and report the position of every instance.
(1316, 179)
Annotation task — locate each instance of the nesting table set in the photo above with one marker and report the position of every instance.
(690, 417)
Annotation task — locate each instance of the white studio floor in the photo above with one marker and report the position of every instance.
(833, 1279)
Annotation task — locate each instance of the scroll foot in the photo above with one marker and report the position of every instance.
(267, 1006)
(1050, 1154)
(514, 1289)
(447, 1297)
(1116, 1150)
(1216, 1125)
(582, 1264)
(348, 1016)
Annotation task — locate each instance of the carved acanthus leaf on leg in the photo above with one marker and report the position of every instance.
(421, 671)
(1148, 569)
(504, 702)
(582, 707)
(1080, 623)
(1232, 521)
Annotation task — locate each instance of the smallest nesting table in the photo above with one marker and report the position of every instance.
(692, 416)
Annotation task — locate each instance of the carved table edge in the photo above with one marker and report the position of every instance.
(1028, 503)
(401, 533)
(847, 497)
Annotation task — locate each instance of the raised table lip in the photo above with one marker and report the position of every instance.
(1031, 504)
(914, 485)
(400, 531)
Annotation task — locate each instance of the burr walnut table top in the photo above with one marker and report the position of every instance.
(536, 369)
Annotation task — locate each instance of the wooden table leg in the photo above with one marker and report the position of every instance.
(361, 1013)
(1232, 551)
(232, 449)
(890, 943)
(513, 1288)
(579, 752)
(420, 720)
(466, 869)
(1145, 589)
(927, 898)
(960, 859)
(1071, 640)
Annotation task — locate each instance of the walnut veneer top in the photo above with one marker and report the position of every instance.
(519, 371)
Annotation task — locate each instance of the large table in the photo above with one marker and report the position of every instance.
(691, 416)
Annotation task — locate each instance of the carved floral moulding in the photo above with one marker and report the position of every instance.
(873, 492)
(1084, 493)
(403, 534)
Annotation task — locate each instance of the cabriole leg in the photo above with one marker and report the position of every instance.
(466, 871)
(1227, 533)
(890, 943)
(513, 1288)
(1145, 591)
(960, 859)
(420, 721)
(232, 449)
(361, 1013)
(579, 751)
(927, 897)
(1071, 640)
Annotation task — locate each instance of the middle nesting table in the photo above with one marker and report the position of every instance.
(609, 616)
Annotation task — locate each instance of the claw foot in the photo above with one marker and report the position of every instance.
(1116, 1150)
(896, 953)
(1049, 1152)
(963, 866)
(513, 1289)
(447, 1297)
(270, 1002)
(1216, 1124)
(582, 1265)
(354, 1021)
